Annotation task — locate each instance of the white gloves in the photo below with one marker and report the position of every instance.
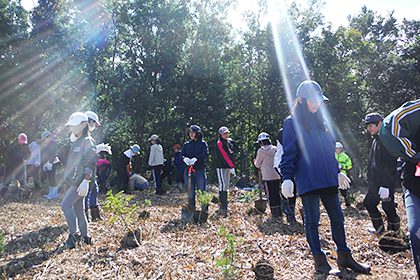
(343, 181)
(83, 188)
(287, 188)
(47, 166)
(232, 171)
(189, 161)
(37, 164)
(383, 192)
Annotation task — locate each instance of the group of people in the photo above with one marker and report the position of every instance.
(306, 161)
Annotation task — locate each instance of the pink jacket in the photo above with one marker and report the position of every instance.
(265, 161)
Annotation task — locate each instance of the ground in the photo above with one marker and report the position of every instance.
(35, 231)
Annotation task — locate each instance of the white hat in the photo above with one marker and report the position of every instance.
(339, 145)
(223, 130)
(93, 116)
(77, 118)
(153, 137)
(103, 148)
(263, 136)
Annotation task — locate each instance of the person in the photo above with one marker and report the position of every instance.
(400, 134)
(179, 166)
(345, 164)
(49, 161)
(224, 167)
(309, 158)
(167, 170)
(81, 163)
(194, 153)
(265, 162)
(34, 162)
(103, 166)
(156, 161)
(382, 179)
(124, 168)
(16, 155)
(91, 200)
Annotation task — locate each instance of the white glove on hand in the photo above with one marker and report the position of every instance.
(193, 161)
(287, 188)
(187, 161)
(343, 181)
(232, 171)
(37, 164)
(83, 188)
(49, 166)
(383, 193)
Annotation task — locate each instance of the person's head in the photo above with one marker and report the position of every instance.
(46, 136)
(22, 139)
(93, 120)
(373, 123)
(176, 148)
(338, 147)
(135, 149)
(194, 133)
(224, 132)
(154, 139)
(264, 139)
(78, 124)
(103, 149)
(311, 92)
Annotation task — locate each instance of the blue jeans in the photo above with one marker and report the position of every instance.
(198, 182)
(412, 206)
(91, 200)
(312, 214)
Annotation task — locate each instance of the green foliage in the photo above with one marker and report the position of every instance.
(204, 198)
(226, 261)
(248, 196)
(2, 245)
(121, 209)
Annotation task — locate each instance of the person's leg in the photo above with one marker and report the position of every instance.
(200, 177)
(79, 211)
(345, 195)
(93, 203)
(391, 212)
(69, 199)
(274, 198)
(412, 206)
(371, 202)
(311, 208)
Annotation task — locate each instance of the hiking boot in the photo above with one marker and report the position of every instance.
(276, 213)
(323, 267)
(378, 224)
(345, 260)
(223, 196)
(71, 242)
(395, 225)
(87, 240)
(95, 214)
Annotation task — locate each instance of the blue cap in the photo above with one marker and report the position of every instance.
(373, 118)
(195, 128)
(310, 90)
(135, 148)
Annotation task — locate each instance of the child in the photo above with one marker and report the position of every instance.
(179, 166)
(195, 152)
(309, 158)
(103, 166)
(224, 167)
(49, 161)
(123, 167)
(345, 164)
(265, 162)
(77, 175)
(156, 161)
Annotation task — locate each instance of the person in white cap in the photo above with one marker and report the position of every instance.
(224, 166)
(49, 161)
(156, 161)
(103, 166)
(34, 162)
(345, 164)
(124, 168)
(78, 173)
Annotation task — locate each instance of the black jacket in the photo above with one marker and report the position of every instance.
(224, 154)
(382, 166)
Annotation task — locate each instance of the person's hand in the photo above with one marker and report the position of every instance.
(193, 161)
(232, 171)
(83, 188)
(187, 161)
(287, 188)
(383, 193)
(37, 164)
(49, 166)
(343, 181)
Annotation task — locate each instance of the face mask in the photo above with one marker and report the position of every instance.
(78, 129)
(72, 137)
(92, 126)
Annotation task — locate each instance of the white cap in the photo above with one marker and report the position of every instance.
(77, 118)
(223, 130)
(103, 148)
(154, 137)
(339, 145)
(263, 136)
(93, 116)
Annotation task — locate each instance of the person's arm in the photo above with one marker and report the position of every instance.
(152, 155)
(290, 149)
(203, 152)
(222, 150)
(90, 158)
(388, 165)
(258, 160)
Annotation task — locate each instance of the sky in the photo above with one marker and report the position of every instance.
(335, 11)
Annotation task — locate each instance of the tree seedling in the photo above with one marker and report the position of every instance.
(226, 261)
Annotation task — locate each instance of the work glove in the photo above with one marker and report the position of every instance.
(49, 166)
(232, 171)
(383, 193)
(37, 164)
(287, 188)
(193, 161)
(187, 161)
(83, 188)
(343, 181)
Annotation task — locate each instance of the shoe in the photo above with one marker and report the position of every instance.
(71, 242)
(345, 260)
(54, 193)
(378, 224)
(276, 213)
(87, 240)
(323, 267)
(95, 214)
(395, 225)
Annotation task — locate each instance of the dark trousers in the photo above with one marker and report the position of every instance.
(372, 201)
(33, 171)
(274, 197)
(49, 175)
(157, 177)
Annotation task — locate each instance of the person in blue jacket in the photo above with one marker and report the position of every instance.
(195, 152)
(309, 158)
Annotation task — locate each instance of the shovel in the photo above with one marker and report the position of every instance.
(260, 204)
(187, 212)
